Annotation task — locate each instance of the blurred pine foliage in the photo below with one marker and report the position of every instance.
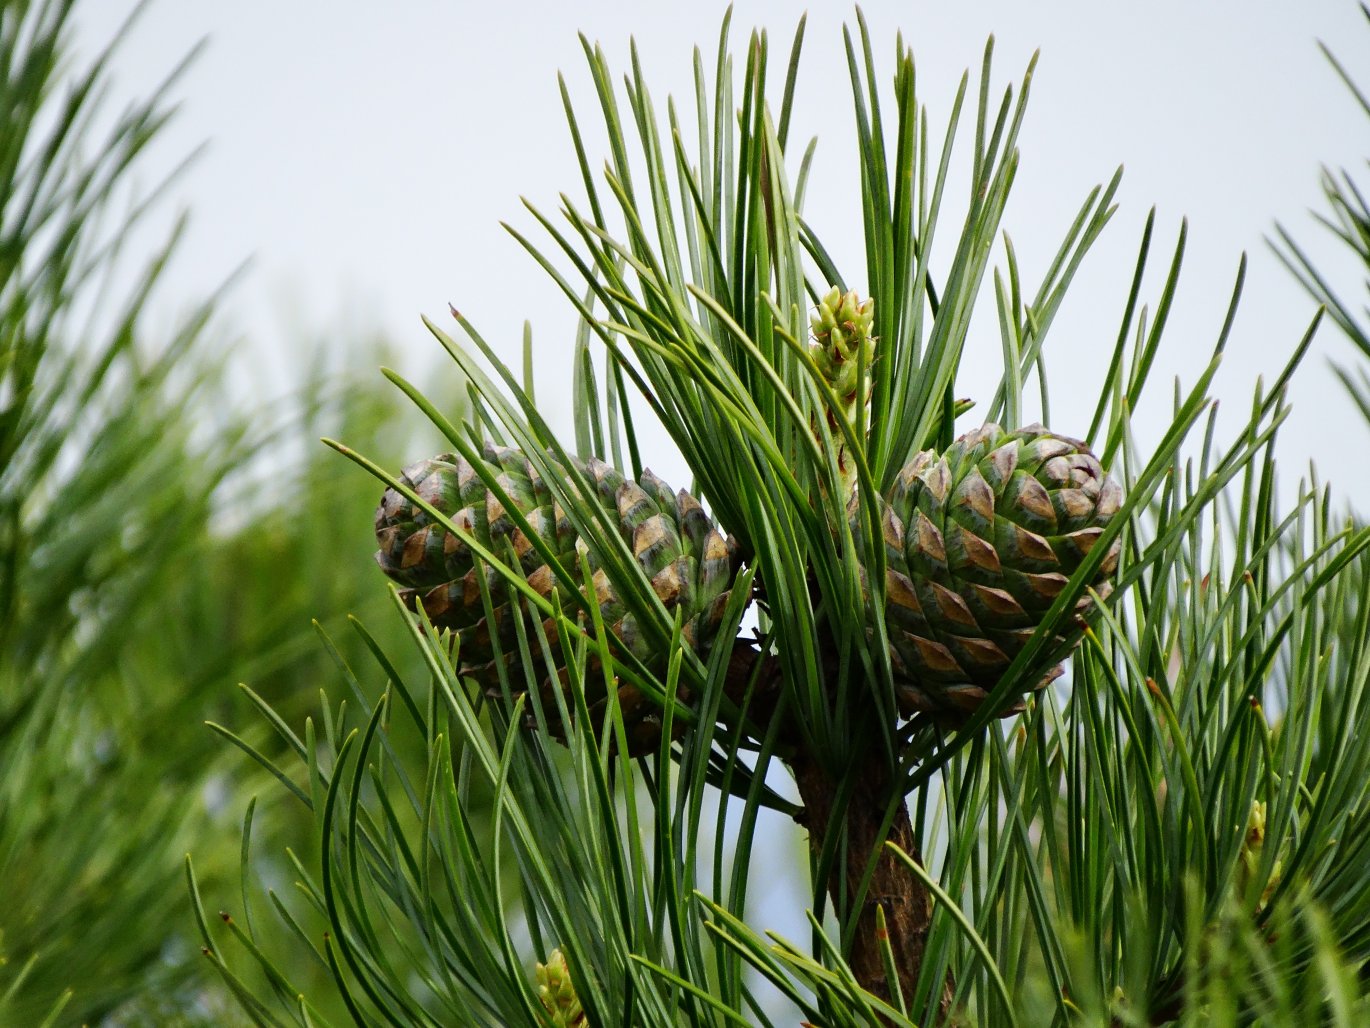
(141, 573)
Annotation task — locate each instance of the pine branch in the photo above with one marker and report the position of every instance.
(905, 900)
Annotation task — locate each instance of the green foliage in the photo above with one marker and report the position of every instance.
(101, 497)
(1173, 833)
(1348, 219)
(139, 576)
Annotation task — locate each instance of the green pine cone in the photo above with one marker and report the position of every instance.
(979, 542)
(676, 544)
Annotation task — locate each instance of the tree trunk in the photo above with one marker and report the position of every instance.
(906, 901)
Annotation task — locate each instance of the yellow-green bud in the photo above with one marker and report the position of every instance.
(557, 994)
(843, 321)
(1250, 858)
(843, 351)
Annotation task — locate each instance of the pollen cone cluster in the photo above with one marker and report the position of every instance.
(557, 993)
(674, 542)
(843, 352)
(979, 542)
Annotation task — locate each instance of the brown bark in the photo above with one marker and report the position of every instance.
(906, 901)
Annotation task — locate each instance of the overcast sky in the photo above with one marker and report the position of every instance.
(363, 162)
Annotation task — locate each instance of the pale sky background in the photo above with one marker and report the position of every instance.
(362, 155)
(363, 160)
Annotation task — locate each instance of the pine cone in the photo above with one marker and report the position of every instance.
(979, 542)
(676, 544)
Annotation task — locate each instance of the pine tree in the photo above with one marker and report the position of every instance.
(1070, 712)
